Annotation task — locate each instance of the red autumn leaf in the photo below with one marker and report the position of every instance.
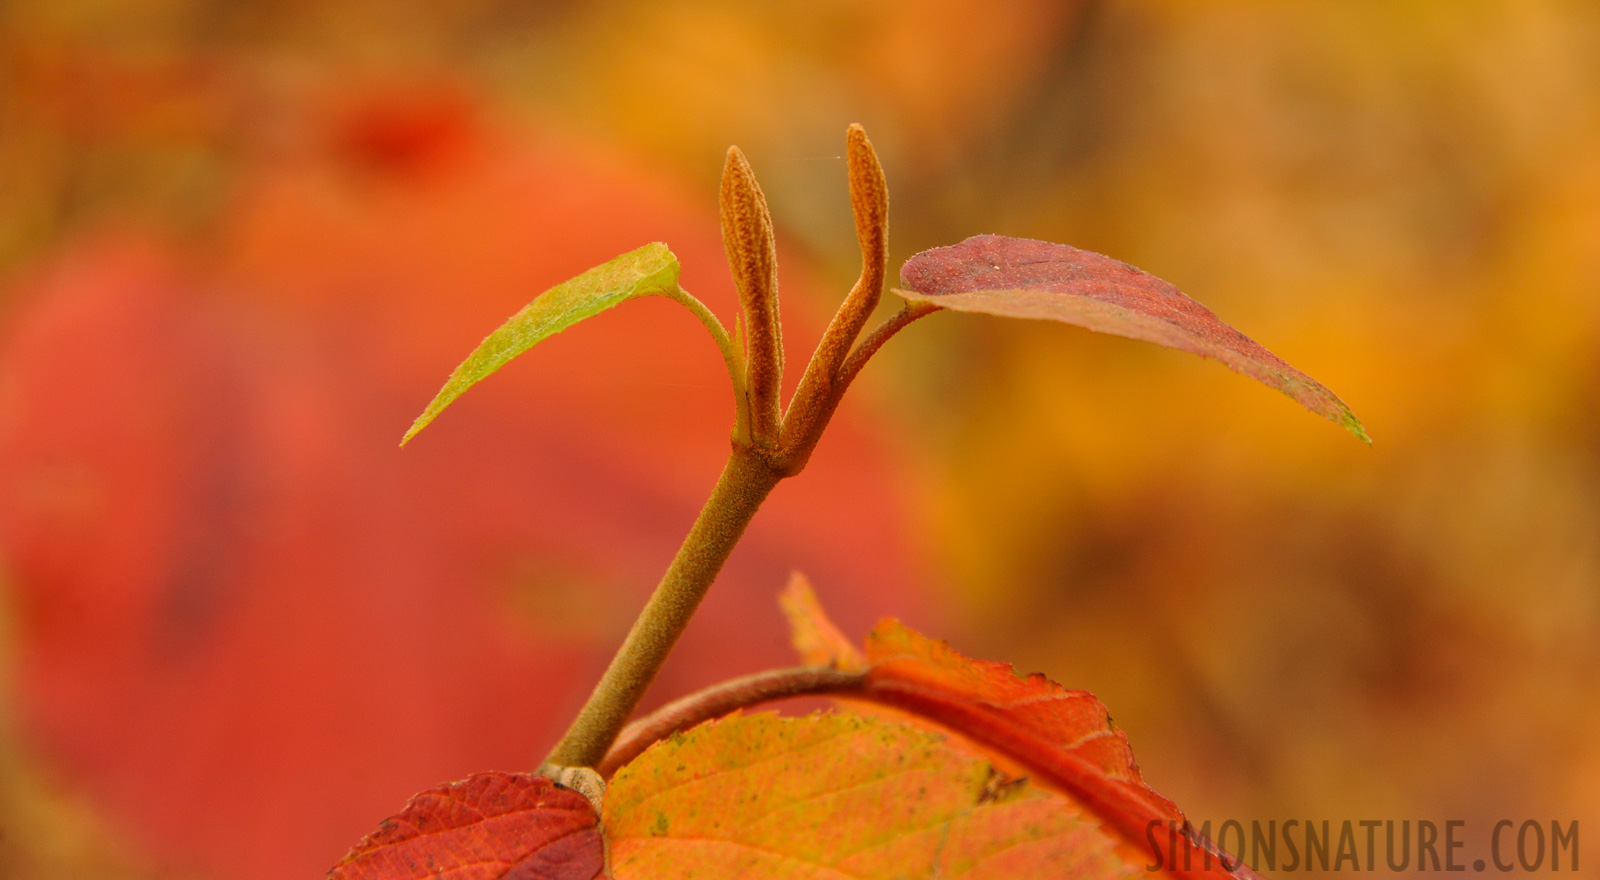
(1025, 278)
(1064, 737)
(487, 827)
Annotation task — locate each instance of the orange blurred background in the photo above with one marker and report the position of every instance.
(241, 244)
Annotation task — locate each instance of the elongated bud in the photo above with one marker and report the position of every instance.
(753, 259)
(869, 201)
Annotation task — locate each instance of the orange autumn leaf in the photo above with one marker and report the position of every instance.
(842, 794)
(838, 795)
(486, 827)
(815, 637)
(1064, 737)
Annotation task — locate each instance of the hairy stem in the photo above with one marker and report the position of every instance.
(911, 311)
(719, 700)
(798, 451)
(768, 444)
(745, 482)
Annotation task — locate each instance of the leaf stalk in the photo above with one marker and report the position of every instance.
(732, 357)
(720, 699)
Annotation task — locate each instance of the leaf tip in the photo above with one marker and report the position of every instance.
(1349, 422)
(814, 636)
(417, 426)
(435, 406)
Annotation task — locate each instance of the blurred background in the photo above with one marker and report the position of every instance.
(241, 244)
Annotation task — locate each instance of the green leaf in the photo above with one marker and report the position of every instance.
(650, 270)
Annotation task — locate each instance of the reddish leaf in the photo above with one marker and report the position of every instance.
(1024, 278)
(486, 827)
(1063, 736)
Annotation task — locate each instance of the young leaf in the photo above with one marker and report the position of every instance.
(649, 270)
(837, 795)
(489, 826)
(819, 387)
(753, 259)
(1024, 278)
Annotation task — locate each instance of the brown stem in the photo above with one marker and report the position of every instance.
(911, 311)
(772, 446)
(796, 456)
(719, 700)
(745, 482)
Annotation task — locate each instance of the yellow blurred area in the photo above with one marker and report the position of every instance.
(1404, 200)
(1401, 199)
